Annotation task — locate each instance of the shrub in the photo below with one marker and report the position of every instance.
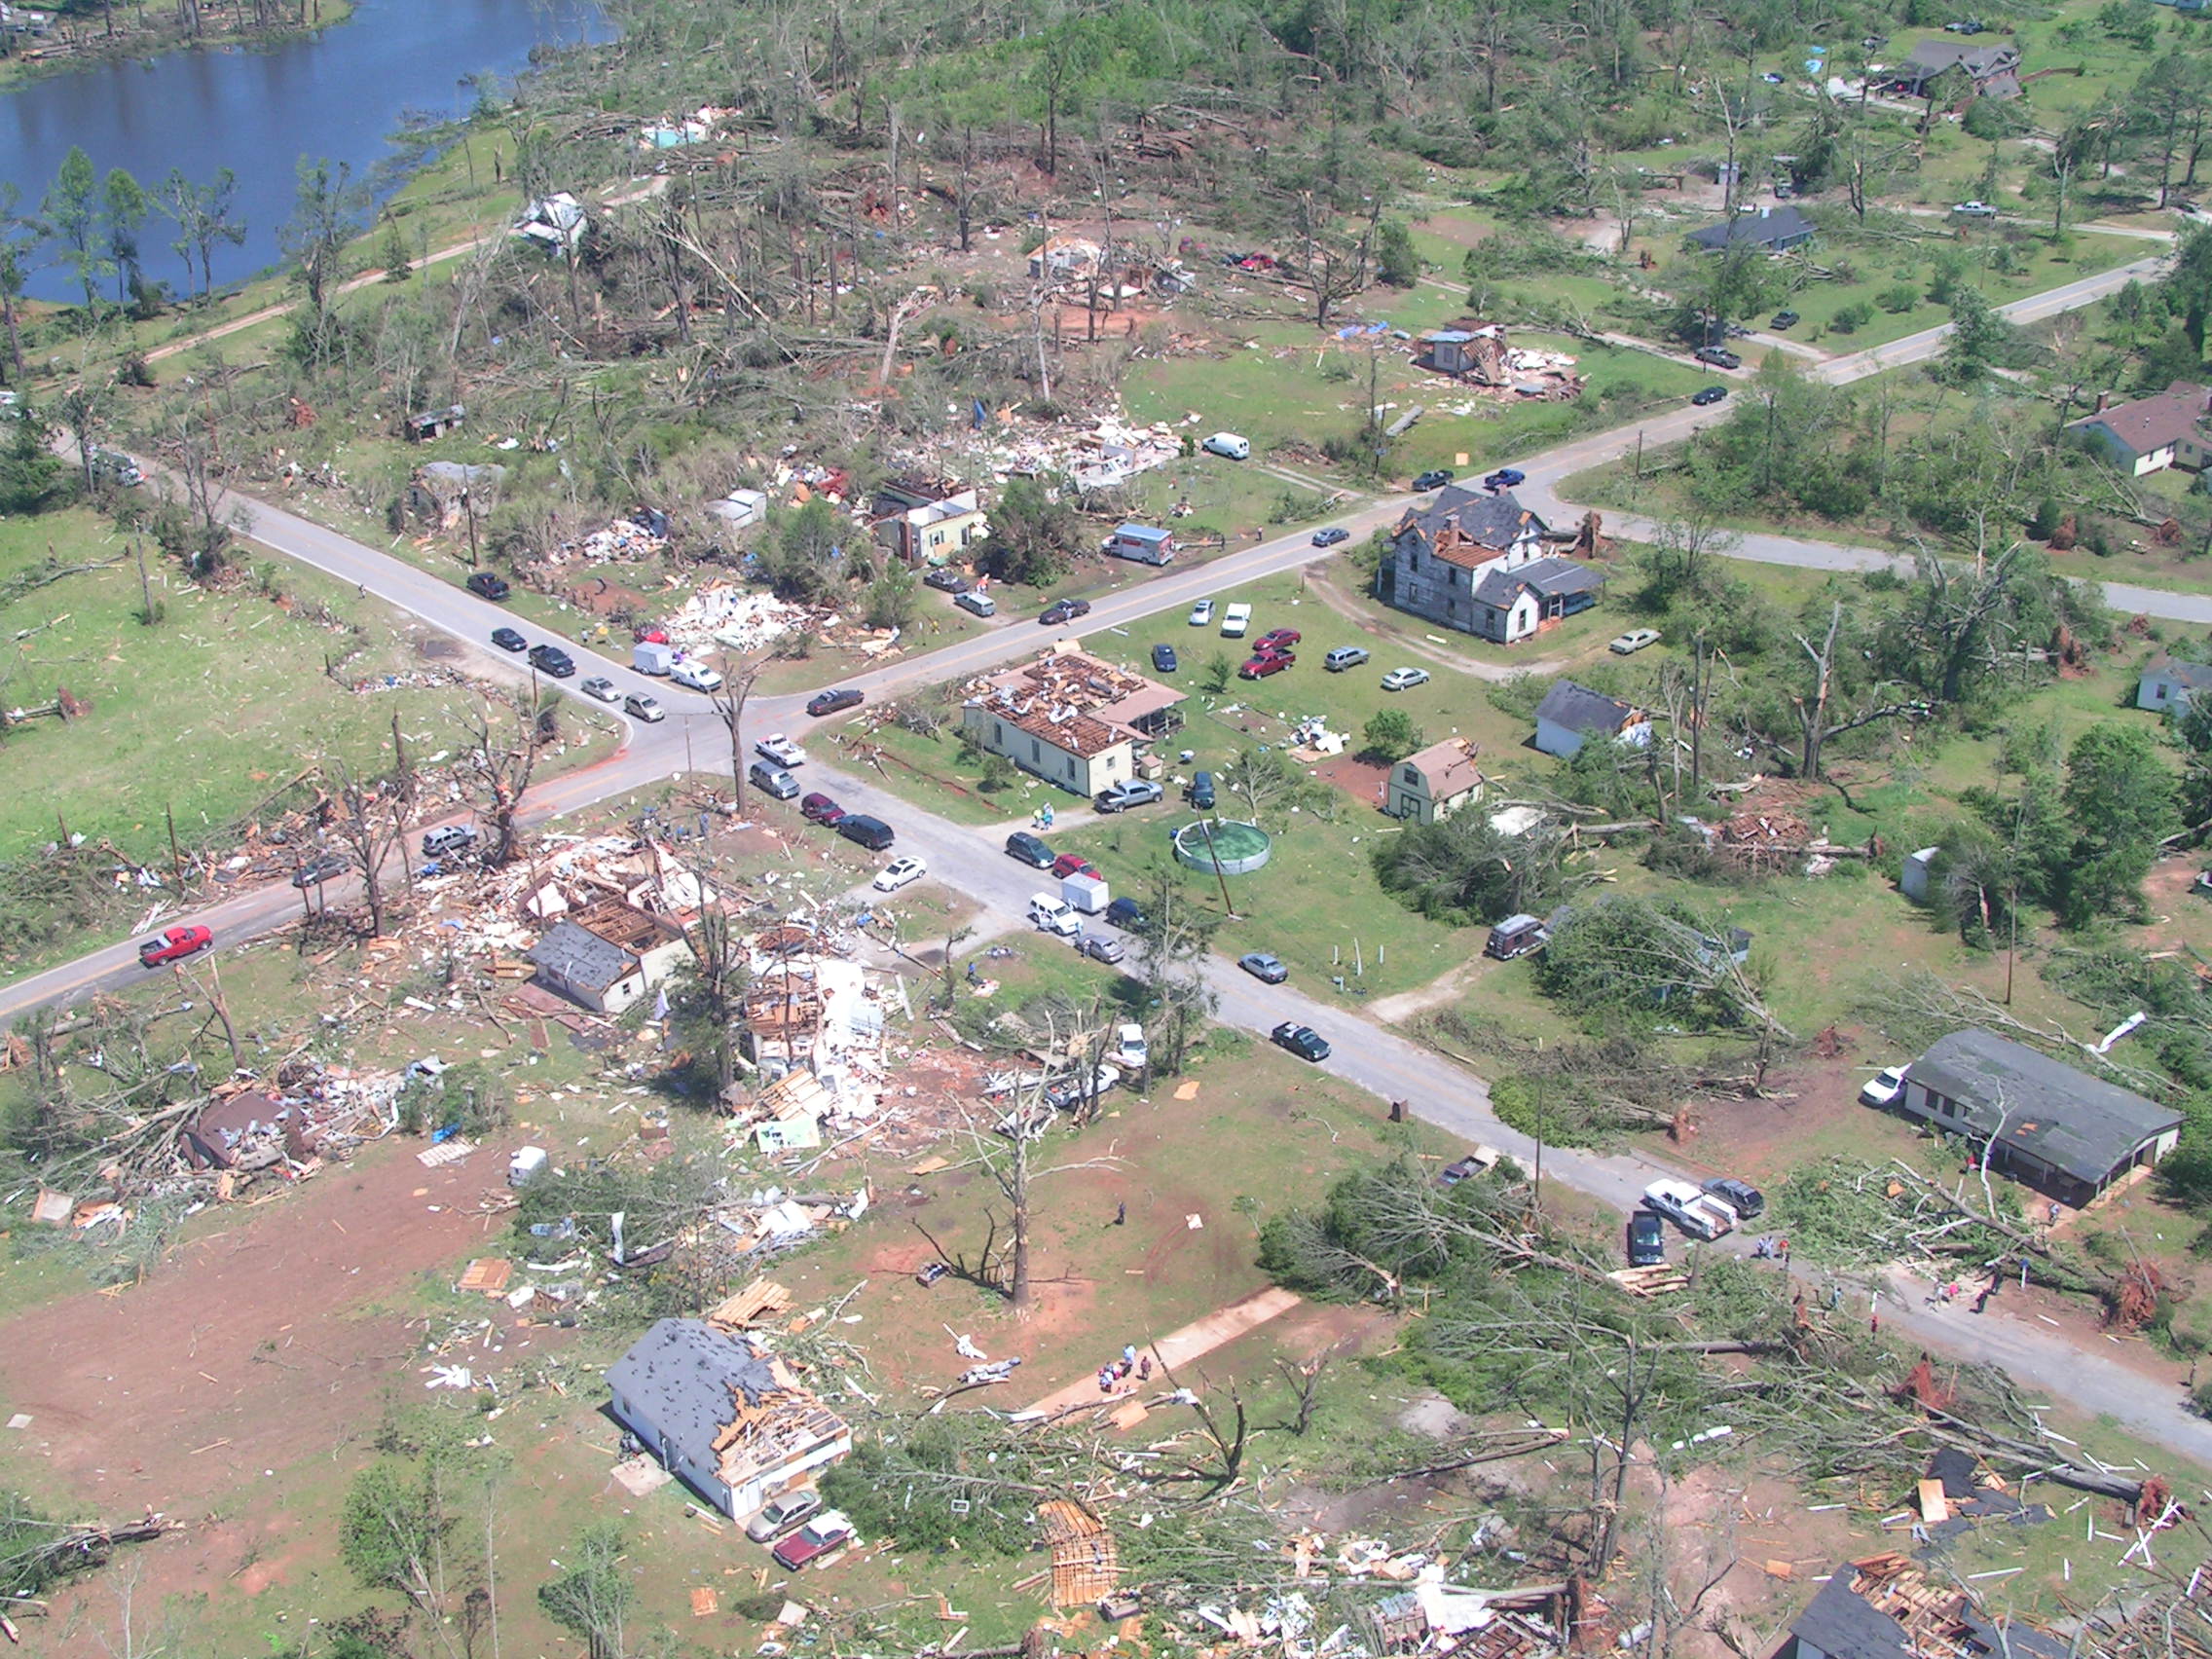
(1851, 318)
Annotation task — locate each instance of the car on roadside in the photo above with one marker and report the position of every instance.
(1265, 663)
(1504, 478)
(1632, 641)
(1720, 357)
(1201, 613)
(859, 827)
(1277, 638)
(322, 869)
(1405, 679)
(1030, 850)
(1129, 792)
(1264, 966)
(781, 749)
(1303, 1041)
(640, 706)
(819, 808)
(1746, 1199)
(1127, 916)
(780, 1514)
(945, 579)
(1647, 1239)
(1433, 479)
(485, 585)
(1164, 659)
(1706, 396)
(898, 873)
(1784, 318)
(507, 640)
(834, 702)
(1884, 1086)
(766, 774)
(697, 676)
(1071, 863)
(174, 944)
(1063, 610)
(1974, 210)
(1101, 947)
(601, 687)
(553, 660)
(823, 1536)
(1331, 536)
(976, 603)
(448, 838)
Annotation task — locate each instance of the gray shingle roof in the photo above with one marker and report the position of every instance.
(1492, 522)
(2147, 424)
(1758, 230)
(2075, 1124)
(580, 956)
(677, 1377)
(2196, 675)
(1580, 708)
(1547, 575)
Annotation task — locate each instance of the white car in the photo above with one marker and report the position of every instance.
(696, 675)
(1228, 446)
(602, 687)
(1884, 1086)
(1201, 613)
(1974, 210)
(1634, 640)
(900, 871)
(1235, 621)
(1405, 679)
(781, 749)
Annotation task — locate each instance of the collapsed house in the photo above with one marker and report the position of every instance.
(442, 491)
(722, 1413)
(1070, 718)
(927, 521)
(556, 223)
(608, 955)
(1885, 1608)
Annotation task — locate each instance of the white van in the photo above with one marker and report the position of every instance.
(696, 675)
(1235, 621)
(1053, 915)
(1228, 446)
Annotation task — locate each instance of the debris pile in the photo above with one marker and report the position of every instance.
(741, 619)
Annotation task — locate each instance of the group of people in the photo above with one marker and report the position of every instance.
(1042, 818)
(1771, 1249)
(1951, 1290)
(1118, 1371)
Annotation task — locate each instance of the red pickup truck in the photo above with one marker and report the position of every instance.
(174, 945)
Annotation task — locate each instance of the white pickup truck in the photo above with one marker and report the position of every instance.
(1701, 1215)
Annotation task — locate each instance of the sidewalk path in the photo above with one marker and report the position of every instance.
(1179, 1348)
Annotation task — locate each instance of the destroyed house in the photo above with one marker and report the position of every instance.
(1474, 560)
(927, 521)
(1992, 71)
(1883, 1607)
(608, 955)
(722, 1415)
(2060, 1130)
(1070, 718)
(1475, 351)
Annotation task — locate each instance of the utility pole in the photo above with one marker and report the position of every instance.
(177, 858)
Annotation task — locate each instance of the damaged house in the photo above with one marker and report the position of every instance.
(1885, 1608)
(722, 1413)
(1476, 561)
(1476, 352)
(608, 955)
(1070, 718)
(927, 521)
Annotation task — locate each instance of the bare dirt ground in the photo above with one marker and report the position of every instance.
(251, 1351)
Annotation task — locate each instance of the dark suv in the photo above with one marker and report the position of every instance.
(485, 585)
(553, 660)
(1746, 1199)
(1030, 850)
(1647, 1239)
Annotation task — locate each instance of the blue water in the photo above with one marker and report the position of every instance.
(340, 95)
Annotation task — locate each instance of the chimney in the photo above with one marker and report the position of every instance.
(2104, 402)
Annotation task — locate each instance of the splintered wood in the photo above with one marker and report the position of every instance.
(1660, 1280)
(487, 1275)
(1085, 1564)
(752, 1305)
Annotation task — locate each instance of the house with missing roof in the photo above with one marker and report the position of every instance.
(1477, 562)
(1070, 718)
(1430, 785)
(608, 955)
(2148, 434)
(2060, 1130)
(1571, 714)
(1887, 1608)
(2167, 683)
(927, 521)
(722, 1415)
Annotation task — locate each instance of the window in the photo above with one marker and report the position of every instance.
(1412, 779)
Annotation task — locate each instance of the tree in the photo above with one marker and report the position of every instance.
(1980, 337)
(707, 999)
(1630, 959)
(124, 210)
(1397, 265)
(729, 708)
(497, 768)
(2121, 798)
(1032, 534)
(72, 207)
(204, 217)
(594, 1596)
(1171, 954)
(394, 1528)
(894, 597)
(1464, 872)
(31, 473)
(21, 233)
(372, 823)
(1390, 737)
(316, 236)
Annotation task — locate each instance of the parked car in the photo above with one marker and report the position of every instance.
(322, 869)
(1131, 1049)
(1746, 1199)
(1647, 1239)
(1303, 1041)
(1516, 936)
(1262, 664)
(819, 808)
(1235, 621)
(1228, 446)
(1405, 679)
(767, 775)
(602, 687)
(1433, 479)
(553, 660)
(1632, 641)
(1504, 478)
(1164, 659)
(1030, 849)
(834, 702)
(1064, 611)
(642, 706)
(945, 579)
(1071, 863)
(697, 676)
(1128, 792)
(1101, 947)
(1884, 1086)
(1331, 536)
(174, 945)
(1481, 1162)
(1343, 658)
(871, 832)
(1273, 637)
(485, 585)
(781, 749)
(1720, 357)
(1053, 914)
(1974, 210)
(1201, 613)
(1200, 792)
(824, 1536)
(507, 640)
(780, 1514)
(448, 838)
(898, 873)
(1264, 966)
(976, 603)
(1708, 395)
(1785, 319)
(1126, 914)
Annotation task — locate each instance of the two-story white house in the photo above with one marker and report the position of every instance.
(1476, 561)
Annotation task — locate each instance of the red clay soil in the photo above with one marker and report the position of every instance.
(1362, 780)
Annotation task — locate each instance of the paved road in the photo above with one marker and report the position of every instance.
(972, 861)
